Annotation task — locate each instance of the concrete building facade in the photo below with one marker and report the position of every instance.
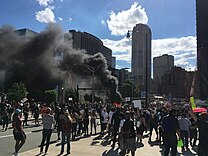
(113, 62)
(161, 64)
(202, 46)
(92, 44)
(141, 56)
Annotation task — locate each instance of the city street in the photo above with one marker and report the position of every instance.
(85, 146)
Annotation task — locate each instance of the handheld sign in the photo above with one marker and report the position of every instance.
(193, 105)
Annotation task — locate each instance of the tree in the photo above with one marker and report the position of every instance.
(70, 93)
(128, 89)
(17, 92)
(50, 96)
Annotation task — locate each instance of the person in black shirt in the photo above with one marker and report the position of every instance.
(129, 136)
(115, 122)
(170, 128)
(153, 124)
(202, 123)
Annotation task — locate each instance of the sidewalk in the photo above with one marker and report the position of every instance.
(96, 146)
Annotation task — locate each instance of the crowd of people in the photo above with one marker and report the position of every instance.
(125, 125)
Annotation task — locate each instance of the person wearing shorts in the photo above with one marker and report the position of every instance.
(19, 134)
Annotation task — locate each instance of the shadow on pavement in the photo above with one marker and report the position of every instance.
(154, 143)
(110, 152)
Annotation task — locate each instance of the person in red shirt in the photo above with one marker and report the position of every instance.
(19, 134)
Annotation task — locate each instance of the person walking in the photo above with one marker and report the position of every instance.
(48, 121)
(202, 123)
(36, 114)
(110, 127)
(193, 133)
(104, 120)
(74, 125)
(171, 129)
(140, 127)
(86, 122)
(19, 134)
(5, 118)
(184, 124)
(153, 124)
(93, 117)
(26, 113)
(66, 126)
(129, 135)
(115, 122)
(80, 123)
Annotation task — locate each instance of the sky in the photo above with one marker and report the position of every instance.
(172, 22)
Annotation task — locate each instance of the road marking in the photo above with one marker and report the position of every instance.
(6, 136)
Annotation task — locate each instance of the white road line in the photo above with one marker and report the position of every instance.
(6, 136)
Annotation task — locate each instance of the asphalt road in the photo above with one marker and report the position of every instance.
(34, 136)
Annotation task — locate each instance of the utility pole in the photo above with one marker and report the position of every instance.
(93, 70)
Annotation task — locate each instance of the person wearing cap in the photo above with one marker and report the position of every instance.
(202, 123)
(19, 134)
(48, 121)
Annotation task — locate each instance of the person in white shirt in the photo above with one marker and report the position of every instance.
(104, 120)
(48, 121)
(184, 124)
(109, 121)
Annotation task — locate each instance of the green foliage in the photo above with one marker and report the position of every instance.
(50, 96)
(88, 98)
(70, 93)
(17, 92)
(128, 89)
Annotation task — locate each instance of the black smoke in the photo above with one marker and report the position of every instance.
(31, 61)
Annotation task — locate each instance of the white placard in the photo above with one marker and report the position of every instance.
(137, 104)
(128, 99)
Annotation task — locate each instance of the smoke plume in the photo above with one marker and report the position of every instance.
(31, 60)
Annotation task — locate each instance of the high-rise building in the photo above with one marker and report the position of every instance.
(25, 33)
(176, 83)
(141, 56)
(92, 44)
(202, 46)
(161, 64)
(113, 62)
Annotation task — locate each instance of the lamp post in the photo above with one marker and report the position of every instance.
(93, 70)
(62, 92)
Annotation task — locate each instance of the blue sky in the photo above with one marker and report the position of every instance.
(172, 23)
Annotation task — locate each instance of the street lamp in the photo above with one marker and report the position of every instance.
(62, 91)
(93, 70)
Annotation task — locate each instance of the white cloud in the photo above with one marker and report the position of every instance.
(60, 19)
(44, 2)
(51, 7)
(183, 49)
(70, 19)
(103, 22)
(125, 20)
(45, 16)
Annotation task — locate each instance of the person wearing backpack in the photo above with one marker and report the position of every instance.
(129, 135)
(171, 130)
